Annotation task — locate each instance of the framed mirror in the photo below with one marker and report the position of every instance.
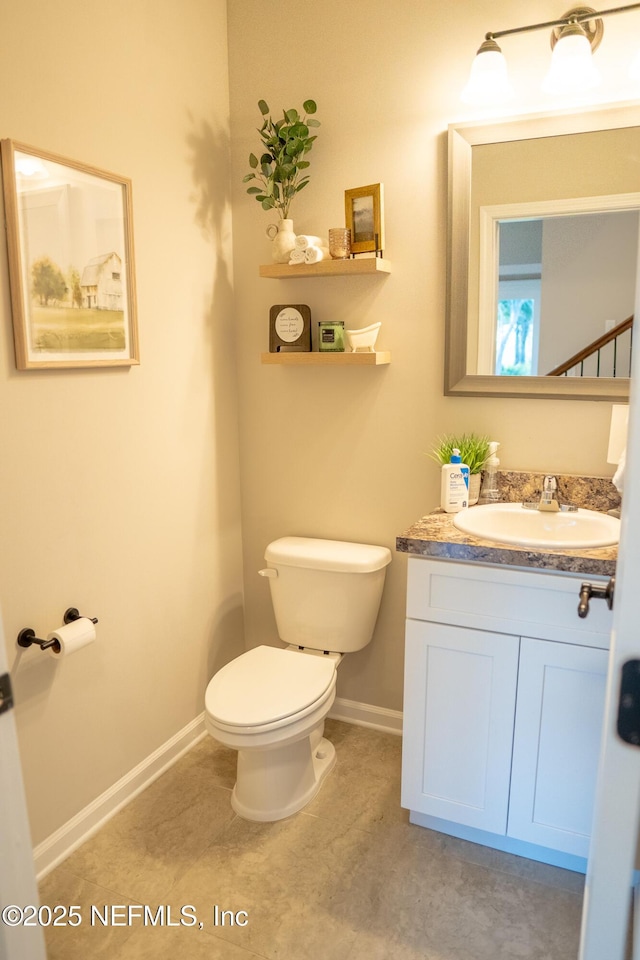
(544, 218)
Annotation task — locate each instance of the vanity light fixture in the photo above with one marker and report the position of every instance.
(574, 37)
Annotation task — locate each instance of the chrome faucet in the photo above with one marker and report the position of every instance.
(548, 499)
(548, 502)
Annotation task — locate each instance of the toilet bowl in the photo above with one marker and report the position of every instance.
(270, 703)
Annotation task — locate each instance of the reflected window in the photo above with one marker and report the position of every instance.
(519, 296)
(517, 330)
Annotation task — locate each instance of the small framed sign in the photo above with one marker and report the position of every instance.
(290, 328)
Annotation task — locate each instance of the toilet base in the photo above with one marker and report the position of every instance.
(274, 784)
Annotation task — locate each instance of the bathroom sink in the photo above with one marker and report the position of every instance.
(513, 523)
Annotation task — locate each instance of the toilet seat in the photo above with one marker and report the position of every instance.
(267, 686)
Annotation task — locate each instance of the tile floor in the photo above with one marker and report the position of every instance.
(348, 878)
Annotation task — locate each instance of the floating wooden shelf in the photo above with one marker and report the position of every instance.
(328, 359)
(326, 268)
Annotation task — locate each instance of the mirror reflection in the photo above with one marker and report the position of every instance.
(565, 290)
(543, 244)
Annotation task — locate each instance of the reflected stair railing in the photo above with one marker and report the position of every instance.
(595, 348)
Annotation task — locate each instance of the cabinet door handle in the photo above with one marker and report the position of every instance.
(598, 592)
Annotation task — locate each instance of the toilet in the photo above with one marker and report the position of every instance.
(270, 703)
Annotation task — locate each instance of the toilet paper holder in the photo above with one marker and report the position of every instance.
(27, 636)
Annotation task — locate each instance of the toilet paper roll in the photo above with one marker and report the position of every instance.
(71, 637)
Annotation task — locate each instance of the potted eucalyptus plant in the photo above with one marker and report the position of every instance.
(279, 172)
(474, 451)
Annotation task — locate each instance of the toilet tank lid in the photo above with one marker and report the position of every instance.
(336, 555)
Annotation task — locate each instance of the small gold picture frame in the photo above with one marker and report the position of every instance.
(363, 207)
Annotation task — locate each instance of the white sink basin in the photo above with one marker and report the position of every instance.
(512, 523)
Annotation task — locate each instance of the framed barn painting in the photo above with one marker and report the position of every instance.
(71, 270)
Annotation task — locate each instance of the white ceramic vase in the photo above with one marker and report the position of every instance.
(283, 240)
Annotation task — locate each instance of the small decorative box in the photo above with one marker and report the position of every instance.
(331, 336)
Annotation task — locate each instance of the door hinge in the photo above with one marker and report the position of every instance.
(628, 723)
(6, 693)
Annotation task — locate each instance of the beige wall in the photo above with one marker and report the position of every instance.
(119, 488)
(341, 453)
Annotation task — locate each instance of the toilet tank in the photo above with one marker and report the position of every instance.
(325, 593)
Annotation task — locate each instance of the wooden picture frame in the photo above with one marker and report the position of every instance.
(71, 268)
(364, 216)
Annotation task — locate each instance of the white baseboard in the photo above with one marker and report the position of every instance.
(366, 715)
(70, 835)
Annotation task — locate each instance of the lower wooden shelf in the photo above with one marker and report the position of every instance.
(328, 359)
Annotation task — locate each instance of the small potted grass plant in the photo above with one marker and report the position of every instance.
(474, 451)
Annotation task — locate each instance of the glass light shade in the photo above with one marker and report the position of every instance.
(488, 80)
(572, 68)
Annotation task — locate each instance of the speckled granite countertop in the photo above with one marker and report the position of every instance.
(436, 537)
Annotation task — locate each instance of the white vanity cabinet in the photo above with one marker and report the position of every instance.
(503, 708)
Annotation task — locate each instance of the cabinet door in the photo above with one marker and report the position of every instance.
(460, 688)
(556, 744)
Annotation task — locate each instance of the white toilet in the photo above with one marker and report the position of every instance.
(270, 703)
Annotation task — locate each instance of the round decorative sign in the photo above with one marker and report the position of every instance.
(289, 324)
(289, 327)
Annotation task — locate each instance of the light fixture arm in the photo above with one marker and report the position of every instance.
(571, 17)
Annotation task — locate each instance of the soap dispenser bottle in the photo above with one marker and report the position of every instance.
(454, 486)
(489, 492)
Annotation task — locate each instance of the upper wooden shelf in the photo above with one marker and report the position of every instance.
(326, 268)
